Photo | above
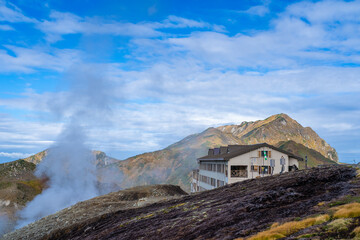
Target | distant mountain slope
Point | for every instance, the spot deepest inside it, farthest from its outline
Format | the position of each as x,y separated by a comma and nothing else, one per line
37,158
18,185
314,158
278,128
101,158
173,164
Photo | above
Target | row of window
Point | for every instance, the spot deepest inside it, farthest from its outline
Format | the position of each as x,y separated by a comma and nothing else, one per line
241,171
211,181
221,168
261,169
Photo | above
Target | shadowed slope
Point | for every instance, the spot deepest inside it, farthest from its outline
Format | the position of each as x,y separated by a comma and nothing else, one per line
236,210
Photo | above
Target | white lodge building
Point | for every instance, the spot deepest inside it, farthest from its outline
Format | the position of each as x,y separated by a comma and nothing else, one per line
236,163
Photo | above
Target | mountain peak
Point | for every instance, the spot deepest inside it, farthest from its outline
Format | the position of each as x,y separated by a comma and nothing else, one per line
276,128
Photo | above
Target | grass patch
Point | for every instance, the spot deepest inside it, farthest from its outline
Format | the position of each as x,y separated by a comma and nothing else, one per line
34,184
350,210
307,236
339,225
347,199
177,205
146,216
286,229
356,231
4,185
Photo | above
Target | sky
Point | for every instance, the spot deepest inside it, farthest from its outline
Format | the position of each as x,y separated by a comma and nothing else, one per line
174,68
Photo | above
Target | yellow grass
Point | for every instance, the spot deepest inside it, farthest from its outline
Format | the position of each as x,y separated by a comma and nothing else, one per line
289,228
350,210
339,224
35,184
357,232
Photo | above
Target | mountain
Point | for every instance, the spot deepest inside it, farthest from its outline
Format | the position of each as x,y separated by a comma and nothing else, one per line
173,164
18,185
37,158
314,158
101,158
317,203
278,128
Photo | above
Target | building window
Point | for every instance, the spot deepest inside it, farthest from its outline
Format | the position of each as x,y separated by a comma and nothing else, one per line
254,168
265,170
262,153
239,171
213,182
219,183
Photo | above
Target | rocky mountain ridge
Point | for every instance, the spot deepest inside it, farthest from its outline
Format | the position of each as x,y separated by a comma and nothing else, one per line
173,164
279,128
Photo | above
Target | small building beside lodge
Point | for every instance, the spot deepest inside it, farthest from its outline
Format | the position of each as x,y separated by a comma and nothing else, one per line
234,163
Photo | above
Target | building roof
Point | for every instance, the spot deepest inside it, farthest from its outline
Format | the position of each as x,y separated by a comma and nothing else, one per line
236,150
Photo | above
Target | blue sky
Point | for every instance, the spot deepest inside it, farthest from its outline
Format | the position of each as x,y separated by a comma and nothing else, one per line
173,68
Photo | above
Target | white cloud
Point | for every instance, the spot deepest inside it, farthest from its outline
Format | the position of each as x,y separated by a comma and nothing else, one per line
258,10
295,39
10,13
62,23
6,28
183,84
15,154
29,59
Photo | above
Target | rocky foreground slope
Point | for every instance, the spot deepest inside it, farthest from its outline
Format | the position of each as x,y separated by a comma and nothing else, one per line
239,210
96,207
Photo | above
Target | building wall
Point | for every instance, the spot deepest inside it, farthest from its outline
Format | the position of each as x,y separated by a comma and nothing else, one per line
245,160
217,176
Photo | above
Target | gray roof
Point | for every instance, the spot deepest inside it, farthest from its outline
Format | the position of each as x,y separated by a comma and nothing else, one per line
236,150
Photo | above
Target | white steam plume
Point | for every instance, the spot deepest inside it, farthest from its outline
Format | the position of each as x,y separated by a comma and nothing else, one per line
5,224
70,164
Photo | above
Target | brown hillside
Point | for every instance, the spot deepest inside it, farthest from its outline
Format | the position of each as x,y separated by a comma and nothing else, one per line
278,128
37,158
314,158
18,185
173,164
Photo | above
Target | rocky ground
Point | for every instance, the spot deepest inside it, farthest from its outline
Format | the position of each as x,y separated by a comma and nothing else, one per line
240,210
98,206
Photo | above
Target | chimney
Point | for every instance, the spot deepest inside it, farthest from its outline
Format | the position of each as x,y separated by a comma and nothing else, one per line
211,152
216,151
